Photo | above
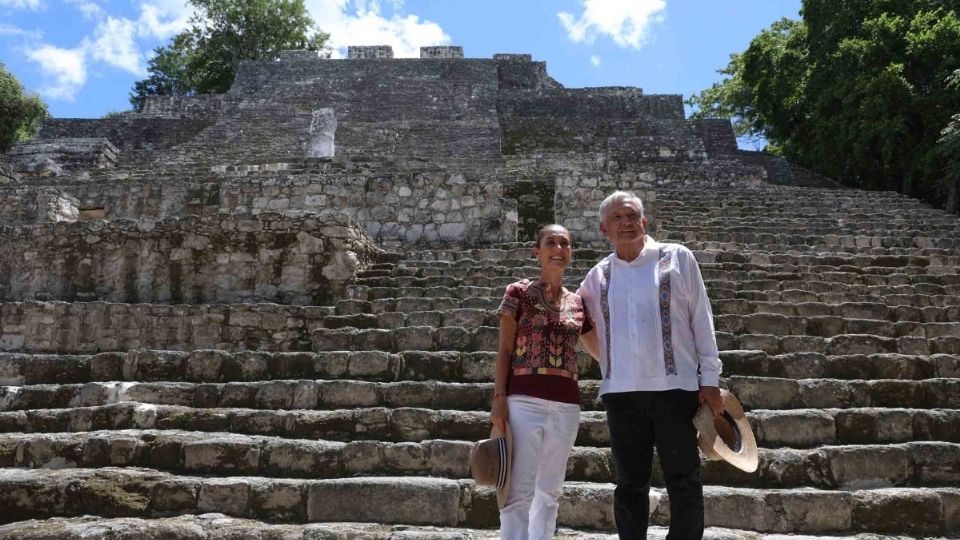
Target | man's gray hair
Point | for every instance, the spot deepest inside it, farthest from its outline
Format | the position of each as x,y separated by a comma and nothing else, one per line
619,197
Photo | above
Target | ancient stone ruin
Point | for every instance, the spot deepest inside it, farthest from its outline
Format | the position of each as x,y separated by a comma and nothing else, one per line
271,313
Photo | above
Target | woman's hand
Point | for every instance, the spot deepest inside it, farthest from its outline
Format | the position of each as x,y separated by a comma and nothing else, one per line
499,413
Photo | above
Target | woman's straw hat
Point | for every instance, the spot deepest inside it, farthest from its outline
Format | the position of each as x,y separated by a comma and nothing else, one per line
490,461
728,436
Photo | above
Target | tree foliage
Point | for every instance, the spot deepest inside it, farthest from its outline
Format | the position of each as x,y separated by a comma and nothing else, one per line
950,150
204,58
856,90
20,113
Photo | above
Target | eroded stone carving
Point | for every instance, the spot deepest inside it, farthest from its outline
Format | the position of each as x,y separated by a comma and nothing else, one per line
323,129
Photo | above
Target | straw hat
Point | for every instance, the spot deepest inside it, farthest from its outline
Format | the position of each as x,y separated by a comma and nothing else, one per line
728,436
490,461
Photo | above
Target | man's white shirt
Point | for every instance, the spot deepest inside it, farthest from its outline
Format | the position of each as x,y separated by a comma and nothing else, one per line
639,294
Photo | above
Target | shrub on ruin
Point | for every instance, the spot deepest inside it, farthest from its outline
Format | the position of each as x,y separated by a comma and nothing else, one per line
20,112
203,59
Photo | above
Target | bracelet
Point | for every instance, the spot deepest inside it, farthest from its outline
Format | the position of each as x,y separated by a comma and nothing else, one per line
499,394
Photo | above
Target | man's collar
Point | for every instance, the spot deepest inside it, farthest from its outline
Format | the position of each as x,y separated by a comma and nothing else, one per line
650,248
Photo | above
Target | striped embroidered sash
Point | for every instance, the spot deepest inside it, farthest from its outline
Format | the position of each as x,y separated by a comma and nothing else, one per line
666,322
605,310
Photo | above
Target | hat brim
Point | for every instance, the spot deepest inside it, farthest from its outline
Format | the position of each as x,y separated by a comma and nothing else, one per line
502,492
713,447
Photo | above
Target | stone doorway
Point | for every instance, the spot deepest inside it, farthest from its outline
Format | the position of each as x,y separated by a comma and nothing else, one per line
535,206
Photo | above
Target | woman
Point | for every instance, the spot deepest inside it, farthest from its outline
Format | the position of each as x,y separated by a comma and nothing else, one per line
536,387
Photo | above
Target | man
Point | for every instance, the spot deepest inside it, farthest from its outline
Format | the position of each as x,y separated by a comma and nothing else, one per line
658,355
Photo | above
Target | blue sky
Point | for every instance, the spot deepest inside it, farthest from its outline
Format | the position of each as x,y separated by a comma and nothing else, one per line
83,56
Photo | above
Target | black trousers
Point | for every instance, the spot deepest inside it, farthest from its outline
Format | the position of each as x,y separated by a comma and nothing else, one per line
638,421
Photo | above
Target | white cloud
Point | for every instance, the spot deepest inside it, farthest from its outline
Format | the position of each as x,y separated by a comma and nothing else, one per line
22,4
16,31
626,22
67,68
163,18
114,43
360,22
90,10
594,60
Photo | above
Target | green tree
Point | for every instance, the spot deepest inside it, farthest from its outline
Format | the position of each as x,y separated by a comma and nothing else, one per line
856,90
950,150
20,113
204,58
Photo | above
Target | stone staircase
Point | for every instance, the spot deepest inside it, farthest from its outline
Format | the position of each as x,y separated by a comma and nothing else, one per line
837,313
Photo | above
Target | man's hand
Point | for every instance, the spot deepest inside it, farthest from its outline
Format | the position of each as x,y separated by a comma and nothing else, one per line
711,394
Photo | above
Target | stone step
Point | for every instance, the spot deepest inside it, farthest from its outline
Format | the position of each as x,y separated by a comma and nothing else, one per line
411,304
735,217
307,394
862,244
830,325
736,281
17,369
839,345
760,290
223,366
508,255
51,327
111,492
794,428
212,526
886,234
81,327
915,464
832,245
408,338
396,319
773,334
733,316
912,307
812,365
842,271
846,310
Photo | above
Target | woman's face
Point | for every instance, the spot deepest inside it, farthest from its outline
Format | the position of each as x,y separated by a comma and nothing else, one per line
555,249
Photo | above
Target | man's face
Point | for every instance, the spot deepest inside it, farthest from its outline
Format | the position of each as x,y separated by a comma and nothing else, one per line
623,224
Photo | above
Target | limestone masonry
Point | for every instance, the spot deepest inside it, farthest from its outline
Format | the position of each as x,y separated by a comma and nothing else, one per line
271,313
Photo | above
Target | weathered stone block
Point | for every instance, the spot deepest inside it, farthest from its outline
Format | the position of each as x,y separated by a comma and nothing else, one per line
229,496
415,501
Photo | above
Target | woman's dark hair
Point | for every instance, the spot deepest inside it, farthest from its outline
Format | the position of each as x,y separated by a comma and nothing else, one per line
546,229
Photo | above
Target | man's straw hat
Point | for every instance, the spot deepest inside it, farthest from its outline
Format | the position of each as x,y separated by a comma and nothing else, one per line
728,436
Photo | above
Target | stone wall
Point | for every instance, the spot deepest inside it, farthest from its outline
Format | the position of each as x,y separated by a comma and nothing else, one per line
443,51
607,103
780,171
362,52
130,133
8,175
578,201
53,157
24,205
432,206
218,259
717,136
206,106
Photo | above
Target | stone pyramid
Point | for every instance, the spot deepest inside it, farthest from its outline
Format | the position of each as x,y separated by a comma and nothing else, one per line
271,313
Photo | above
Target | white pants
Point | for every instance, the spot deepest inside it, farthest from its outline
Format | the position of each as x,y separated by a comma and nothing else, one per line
543,434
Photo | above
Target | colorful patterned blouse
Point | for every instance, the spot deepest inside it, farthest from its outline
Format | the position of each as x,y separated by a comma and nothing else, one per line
544,363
